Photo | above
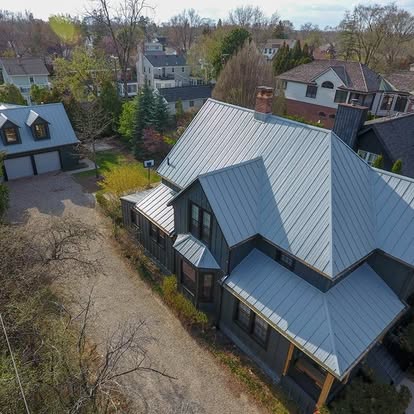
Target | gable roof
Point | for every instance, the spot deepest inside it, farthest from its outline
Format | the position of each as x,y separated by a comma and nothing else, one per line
354,75
162,59
195,252
402,81
317,197
60,128
277,43
396,134
335,328
24,66
186,93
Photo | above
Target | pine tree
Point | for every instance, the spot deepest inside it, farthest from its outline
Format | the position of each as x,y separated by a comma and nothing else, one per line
281,60
161,116
296,54
143,118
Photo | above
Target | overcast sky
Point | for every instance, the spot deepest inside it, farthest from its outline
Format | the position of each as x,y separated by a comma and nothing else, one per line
321,12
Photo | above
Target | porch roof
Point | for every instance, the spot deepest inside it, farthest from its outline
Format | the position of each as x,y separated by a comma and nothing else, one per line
195,252
335,328
154,206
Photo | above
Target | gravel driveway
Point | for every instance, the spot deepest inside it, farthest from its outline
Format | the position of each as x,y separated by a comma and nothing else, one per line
201,385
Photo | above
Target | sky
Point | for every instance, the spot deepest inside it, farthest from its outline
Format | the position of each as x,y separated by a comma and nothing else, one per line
321,12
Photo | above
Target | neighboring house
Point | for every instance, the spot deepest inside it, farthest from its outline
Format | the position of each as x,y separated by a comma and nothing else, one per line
315,89
303,253
391,137
24,72
272,46
36,139
159,70
192,97
326,51
397,94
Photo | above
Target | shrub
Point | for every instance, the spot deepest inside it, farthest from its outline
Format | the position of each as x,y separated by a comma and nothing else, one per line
123,179
181,305
378,162
397,167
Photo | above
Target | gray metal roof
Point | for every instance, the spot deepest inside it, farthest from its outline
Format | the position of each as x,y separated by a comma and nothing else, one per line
316,196
136,197
24,66
162,59
155,207
195,252
60,128
335,328
186,93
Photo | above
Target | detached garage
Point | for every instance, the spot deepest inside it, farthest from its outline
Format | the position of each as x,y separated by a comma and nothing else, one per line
36,139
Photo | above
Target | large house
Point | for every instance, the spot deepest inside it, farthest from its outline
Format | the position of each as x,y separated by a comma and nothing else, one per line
23,72
314,90
389,137
302,251
191,97
158,70
36,139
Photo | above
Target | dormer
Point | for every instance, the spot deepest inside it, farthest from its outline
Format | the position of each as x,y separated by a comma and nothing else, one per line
38,125
9,131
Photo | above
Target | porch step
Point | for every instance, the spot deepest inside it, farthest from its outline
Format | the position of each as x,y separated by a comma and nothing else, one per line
384,364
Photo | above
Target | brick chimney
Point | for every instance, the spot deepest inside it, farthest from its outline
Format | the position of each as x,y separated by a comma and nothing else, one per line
349,119
264,101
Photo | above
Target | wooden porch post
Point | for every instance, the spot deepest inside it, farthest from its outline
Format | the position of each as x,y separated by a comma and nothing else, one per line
325,390
288,358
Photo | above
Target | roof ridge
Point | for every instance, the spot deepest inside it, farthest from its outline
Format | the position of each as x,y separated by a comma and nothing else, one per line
331,230
363,76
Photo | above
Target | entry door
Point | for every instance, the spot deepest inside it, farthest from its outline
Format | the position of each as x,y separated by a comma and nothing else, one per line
18,167
47,162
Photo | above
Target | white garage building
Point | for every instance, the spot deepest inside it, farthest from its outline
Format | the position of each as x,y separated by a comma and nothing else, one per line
36,139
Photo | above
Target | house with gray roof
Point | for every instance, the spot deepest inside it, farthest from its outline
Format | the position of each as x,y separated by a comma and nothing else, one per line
23,72
314,90
36,139
302,252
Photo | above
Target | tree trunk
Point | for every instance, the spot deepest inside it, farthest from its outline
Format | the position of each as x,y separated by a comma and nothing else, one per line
94,158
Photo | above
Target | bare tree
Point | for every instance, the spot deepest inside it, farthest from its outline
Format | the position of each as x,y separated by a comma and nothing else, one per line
183,29
243,73
122,23
90,122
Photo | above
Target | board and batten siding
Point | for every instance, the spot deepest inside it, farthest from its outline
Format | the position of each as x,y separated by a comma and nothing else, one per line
270,358
163,255
218,248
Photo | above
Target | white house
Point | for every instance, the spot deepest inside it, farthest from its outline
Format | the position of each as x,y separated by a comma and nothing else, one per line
272,46
24,72
314,90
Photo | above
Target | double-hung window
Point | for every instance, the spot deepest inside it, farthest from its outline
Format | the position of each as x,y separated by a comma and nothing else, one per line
188,277
243,316
157,235
11,135
207,286
311,91
340,96
200,223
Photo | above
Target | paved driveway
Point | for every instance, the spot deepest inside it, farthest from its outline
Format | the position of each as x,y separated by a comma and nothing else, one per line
201,385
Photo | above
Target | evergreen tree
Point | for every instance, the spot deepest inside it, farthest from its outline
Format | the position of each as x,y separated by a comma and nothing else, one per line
296,54
161,115
281,60
143,118
111,104
397,167
179,110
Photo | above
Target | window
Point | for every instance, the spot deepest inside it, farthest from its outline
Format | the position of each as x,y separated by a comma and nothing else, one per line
265,50
243,315
40,131
191,104
369,157
172,70
144,69
188,277
11,135
182,69
386,103
400,104
134,218
149,69
207,287
311,91
322,114
200,224
340,96
285,260
357,98
31,79
260,329
328,85
157,235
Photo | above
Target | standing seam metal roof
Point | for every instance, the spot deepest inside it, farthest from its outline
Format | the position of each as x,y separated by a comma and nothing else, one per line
317,198
334,328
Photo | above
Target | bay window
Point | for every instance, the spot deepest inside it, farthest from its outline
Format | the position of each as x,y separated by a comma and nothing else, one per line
188,277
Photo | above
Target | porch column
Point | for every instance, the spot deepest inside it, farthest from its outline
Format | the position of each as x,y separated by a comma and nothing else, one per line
325,390
288,358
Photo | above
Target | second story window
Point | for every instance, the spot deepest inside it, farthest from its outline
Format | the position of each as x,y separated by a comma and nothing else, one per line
40,131
11,135
182,69
311,91
172,70
200,224
191,104
327,85
31,79
341,96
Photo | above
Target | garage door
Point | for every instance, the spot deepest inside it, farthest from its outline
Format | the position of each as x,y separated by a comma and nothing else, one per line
46,162
18,167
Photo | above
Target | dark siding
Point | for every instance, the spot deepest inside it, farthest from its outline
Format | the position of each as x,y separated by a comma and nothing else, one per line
238,253
219,248
306,273
69,158
164,256
368,141
399,277
271,359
